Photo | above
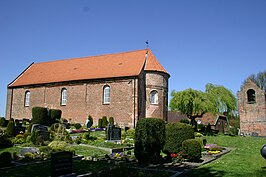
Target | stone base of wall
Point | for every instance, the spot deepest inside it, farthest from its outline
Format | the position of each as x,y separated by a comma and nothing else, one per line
247,128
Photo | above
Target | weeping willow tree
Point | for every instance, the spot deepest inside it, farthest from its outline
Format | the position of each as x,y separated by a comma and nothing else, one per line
193,103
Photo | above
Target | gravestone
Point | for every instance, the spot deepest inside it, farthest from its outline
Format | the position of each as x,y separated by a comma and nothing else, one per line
113,133
61,163
41,130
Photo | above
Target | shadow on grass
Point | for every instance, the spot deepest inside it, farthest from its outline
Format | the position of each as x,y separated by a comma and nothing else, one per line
203,172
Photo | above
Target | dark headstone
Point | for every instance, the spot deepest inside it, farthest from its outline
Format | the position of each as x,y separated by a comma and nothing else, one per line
263,151
41,130
61,163
113,133
254,134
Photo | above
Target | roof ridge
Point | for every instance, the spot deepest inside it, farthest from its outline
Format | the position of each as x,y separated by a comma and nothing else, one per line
93,56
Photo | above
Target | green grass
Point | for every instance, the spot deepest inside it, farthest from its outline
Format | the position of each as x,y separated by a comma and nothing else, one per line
87,151
244,161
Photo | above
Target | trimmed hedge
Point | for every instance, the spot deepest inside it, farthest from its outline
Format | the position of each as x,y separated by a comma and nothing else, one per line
175,134
55,115
149,139
192,150
100,123
40,116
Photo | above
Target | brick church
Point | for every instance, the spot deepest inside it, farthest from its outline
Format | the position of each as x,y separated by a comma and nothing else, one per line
252,109
127,86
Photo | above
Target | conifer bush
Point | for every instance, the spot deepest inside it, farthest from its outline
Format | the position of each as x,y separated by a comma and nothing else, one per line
175,134
111,120
192,150
90,121
100,123
149,139
10,129
104,121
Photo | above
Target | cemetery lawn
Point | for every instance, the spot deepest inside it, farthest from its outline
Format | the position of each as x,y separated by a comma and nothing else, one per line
244,161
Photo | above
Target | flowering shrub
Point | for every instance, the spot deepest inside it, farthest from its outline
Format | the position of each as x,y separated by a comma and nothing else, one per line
177,157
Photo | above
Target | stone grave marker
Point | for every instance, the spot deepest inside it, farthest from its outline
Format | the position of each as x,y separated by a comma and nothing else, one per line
41,130
113,133
61,163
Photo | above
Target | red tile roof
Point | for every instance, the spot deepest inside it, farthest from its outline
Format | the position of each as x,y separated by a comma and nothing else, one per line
94,67
209,118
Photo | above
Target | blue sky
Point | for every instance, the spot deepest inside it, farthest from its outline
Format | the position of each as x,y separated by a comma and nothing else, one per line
197,41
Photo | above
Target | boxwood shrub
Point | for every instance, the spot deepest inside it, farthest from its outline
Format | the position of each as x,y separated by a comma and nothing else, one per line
175,134
149,139
192,150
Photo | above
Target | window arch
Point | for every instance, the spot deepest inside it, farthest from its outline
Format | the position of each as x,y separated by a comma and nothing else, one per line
106,94
154,97
27,99
251,95
63,96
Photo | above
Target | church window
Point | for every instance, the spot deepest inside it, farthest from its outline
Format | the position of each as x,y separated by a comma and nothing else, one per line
63,96
251,95
154,97
106,94
27,99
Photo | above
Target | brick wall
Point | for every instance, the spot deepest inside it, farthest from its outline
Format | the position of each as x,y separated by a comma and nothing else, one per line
159,82
83,98
252,114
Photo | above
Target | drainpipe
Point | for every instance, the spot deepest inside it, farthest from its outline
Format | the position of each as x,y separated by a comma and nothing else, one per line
134,100
11,104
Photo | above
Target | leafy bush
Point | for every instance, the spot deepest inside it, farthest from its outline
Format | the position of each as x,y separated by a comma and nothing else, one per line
111,120
201,128
104,121
28,156
149,139
3,122
40,116
5,159
185,121
55,115
90,121
19,139
192,150
10,129
5,142
175,134
58,145
45,151
77,125
208,128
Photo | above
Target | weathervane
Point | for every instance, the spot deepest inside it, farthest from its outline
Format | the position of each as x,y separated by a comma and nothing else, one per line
147,44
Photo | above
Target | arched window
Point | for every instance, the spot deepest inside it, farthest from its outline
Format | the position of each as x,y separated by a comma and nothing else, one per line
251,96
27,99
154,97
106,94
63,96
